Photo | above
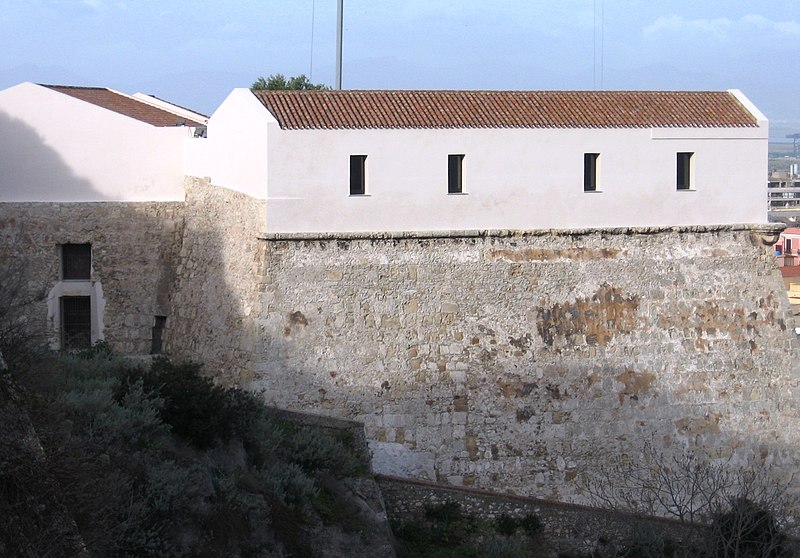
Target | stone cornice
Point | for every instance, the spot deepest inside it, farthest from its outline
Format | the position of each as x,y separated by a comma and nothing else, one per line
764,229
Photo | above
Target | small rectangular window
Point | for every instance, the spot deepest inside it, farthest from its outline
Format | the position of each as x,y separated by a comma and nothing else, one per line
76,262
158,333
684,181
358,175
591,178
76,322
455,177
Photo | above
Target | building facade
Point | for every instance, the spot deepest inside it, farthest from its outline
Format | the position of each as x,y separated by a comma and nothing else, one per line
360,161
507,288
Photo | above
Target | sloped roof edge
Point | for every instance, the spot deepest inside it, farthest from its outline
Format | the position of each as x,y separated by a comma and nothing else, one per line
125,105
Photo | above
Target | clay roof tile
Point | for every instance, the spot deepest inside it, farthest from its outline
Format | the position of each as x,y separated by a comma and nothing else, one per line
125,105
298,110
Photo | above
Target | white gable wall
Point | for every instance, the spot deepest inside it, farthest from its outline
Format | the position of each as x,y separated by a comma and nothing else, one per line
54,147
234,154
513,178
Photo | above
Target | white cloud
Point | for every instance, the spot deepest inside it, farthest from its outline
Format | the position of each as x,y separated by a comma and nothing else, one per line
721,27
95,4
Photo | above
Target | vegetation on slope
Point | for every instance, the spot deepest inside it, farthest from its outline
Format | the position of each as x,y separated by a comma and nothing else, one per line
158,461
447,532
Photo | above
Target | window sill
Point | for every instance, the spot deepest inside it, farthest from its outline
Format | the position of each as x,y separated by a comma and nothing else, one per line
592,191
457,193
359,196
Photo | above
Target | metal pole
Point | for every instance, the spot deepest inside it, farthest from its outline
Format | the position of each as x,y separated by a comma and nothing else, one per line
339,24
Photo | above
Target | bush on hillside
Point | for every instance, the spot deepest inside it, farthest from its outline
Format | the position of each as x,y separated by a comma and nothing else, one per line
159,461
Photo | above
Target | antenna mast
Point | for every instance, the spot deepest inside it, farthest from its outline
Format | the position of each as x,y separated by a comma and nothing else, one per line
339,25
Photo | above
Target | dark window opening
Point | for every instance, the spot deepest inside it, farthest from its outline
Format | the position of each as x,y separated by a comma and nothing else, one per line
76,262
158,331
76,322
590,178
455,177
684,171
358,177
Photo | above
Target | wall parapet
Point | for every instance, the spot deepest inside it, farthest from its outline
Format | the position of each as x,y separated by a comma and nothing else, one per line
757,228
567,527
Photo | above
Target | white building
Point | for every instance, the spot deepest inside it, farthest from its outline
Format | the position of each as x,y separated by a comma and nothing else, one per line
337,161
70,144
334,161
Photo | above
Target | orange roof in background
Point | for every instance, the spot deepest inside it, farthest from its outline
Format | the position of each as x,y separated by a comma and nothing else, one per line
124,105
304,110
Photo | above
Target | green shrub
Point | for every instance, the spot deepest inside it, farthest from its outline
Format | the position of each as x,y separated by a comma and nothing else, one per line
100,349
510,547
506,525
161,462
446,512
289,483
194,407
531,524
318,451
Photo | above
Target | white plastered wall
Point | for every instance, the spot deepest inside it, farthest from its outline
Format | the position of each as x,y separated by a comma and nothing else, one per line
234,153
513,178
518,179
56,148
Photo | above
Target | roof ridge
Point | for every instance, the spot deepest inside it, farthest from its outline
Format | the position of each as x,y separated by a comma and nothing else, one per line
57,86
492,91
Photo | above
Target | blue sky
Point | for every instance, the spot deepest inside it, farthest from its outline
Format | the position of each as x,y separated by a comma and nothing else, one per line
194,52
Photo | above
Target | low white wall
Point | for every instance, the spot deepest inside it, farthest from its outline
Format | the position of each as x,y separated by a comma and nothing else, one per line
54,147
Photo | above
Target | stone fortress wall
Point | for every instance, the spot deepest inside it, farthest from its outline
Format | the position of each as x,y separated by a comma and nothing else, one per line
503,360
135,249
521,361
215,298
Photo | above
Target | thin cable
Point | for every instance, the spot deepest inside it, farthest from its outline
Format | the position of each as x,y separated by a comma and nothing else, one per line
311,56
602,38
594,45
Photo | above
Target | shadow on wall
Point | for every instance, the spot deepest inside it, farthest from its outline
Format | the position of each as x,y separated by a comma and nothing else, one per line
215,317
34,171
134,254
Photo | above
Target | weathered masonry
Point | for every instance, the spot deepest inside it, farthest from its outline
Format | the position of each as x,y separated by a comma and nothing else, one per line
513,361
117,288
520,361
507,360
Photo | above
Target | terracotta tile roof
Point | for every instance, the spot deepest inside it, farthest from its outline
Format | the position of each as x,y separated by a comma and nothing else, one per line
298,110
125,105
